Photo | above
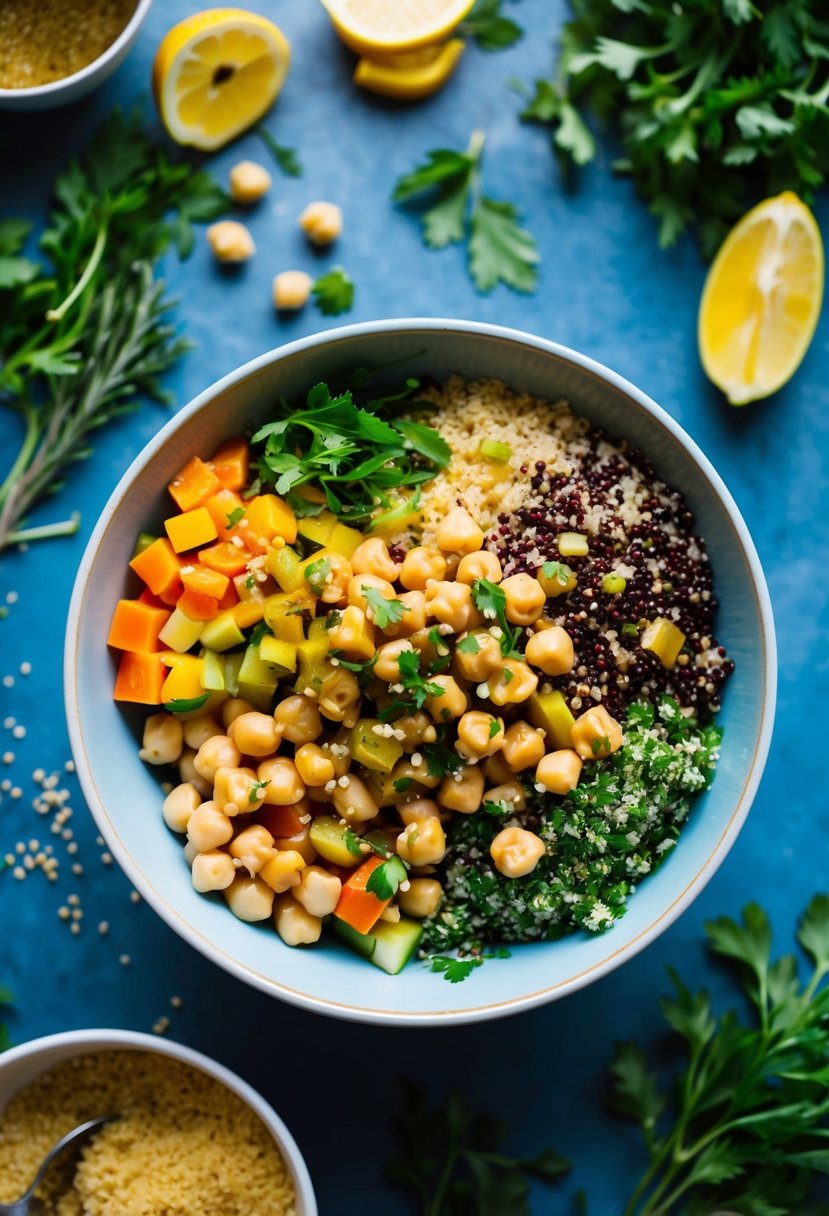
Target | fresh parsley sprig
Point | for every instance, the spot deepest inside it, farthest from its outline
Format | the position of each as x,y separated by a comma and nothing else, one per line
717,103
491,600
333,292
456,969
453,1162
744,1124
386,878
449,189
356,457
286,158
488,28
383,612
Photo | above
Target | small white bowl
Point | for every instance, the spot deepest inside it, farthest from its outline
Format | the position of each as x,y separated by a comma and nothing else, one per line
70,88
22,1065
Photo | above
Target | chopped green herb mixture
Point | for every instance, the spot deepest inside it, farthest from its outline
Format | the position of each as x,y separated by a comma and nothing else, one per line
605,835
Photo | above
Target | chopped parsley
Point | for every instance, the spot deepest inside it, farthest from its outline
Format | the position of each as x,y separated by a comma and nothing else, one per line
494,727
255,789
235,517
491,600
401,784
469,645
334,292
185,705
384,612
385,879
262,630
316,573
250,582
352,842
417,686
455,970
559,572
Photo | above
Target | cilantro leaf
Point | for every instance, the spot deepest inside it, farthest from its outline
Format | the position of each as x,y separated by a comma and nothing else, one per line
489,28
316,573
454,970
558,571
383,612
235,517
418,687
286,158
499,250
385,879
491,600
469,645
352,842
185,705
334,292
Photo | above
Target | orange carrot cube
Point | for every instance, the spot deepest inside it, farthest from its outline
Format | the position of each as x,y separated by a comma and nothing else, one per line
160,569
136,626
226,558
194,484
197,606
140,678
224,506
231,463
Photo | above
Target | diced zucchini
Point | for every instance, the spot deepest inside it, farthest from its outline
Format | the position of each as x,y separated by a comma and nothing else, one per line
284,566
317,528
179,632
493,450
389,946
213,677
233,664
361,943
328,838
280,654
314,664
572,544
143,541
222,633
551,713
258,679
373,750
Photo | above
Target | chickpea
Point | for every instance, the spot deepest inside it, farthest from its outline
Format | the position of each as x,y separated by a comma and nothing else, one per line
295,925
496,770
457,532
413,618
479,565
420,565
386,668
187,772
525,599
355,593
334,586
190,853
339,750
339,692
354,801
233,708
218,752
450,703
208,828
291,290
235,790
418,810
559,579
516,852
373,557
179,805
297,719
559,771
404,770
254,734
511,795
480,734
417,728
253,847
213,871
230,242
512,684
477,660
422,843
353,633
313,765
249,182
163,739
199,730
450,603
596,734
249,899
321,222
282,870
318,891
551,650
462,791
422,898
523,746
285,787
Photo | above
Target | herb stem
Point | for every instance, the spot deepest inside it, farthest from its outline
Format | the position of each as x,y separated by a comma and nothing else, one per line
66,527
435,1207
57,314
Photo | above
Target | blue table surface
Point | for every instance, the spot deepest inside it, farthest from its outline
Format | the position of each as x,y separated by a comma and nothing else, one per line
606,289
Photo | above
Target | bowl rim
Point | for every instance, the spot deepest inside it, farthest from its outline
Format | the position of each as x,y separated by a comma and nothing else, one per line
589,974
52,87
94,1040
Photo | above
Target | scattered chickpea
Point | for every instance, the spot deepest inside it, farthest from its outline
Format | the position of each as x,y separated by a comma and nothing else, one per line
419,566
551,650
422,843
524,599
479,565
513,684
294,924
373,557
523,746
464,795
559,771
163,739
457,532
480,734
249,182
230,242
516,852
450,703
291,290
321,222
596,734
249,899
318,891
422,898
314,766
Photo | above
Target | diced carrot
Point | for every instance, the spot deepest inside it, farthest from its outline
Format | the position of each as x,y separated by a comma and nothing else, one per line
194,484
197,606
139,679
225,558
160,569
147,597
248,612
136,626
358,907
191,529
283,820
231,463
268,516
230,598
206,581
224,506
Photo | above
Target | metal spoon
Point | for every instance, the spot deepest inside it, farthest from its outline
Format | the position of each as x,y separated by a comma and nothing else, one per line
27,1205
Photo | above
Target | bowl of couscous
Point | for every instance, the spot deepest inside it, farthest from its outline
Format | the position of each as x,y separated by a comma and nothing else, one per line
346,805
52,53
190,1135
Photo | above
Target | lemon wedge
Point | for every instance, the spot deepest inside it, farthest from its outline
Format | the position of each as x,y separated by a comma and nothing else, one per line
216,73
377,27
762,299
411,75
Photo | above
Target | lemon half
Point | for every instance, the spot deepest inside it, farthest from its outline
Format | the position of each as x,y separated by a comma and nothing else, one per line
411,75
761,300
216,73
377,27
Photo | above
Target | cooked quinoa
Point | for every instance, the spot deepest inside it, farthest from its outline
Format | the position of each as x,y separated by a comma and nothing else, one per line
46,40
184,1145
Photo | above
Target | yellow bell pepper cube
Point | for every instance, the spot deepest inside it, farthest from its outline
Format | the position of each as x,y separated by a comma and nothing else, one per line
317,528
664,639
184,681
550,712
247,614
191,529
345,540
280,654
268,516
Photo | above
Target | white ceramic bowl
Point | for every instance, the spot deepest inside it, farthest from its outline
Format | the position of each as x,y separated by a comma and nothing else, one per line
124,795
22,1065
70,88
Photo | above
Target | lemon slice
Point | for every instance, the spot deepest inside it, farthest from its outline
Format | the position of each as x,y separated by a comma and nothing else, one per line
216,73
411,75
377,27
762,299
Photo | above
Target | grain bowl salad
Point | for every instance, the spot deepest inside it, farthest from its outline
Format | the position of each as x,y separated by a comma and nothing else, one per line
436,669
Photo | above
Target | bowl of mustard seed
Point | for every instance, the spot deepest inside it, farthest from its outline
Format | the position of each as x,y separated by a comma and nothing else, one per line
52,53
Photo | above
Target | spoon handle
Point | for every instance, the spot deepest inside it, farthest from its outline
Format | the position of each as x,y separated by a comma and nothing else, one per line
22,1206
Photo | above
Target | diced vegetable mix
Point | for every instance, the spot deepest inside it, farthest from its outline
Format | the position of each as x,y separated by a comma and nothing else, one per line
374,735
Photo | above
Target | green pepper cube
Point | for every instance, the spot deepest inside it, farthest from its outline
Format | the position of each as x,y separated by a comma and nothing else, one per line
373,749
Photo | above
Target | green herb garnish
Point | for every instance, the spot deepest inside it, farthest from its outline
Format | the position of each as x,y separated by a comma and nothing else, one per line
469,645
600,745
352,842
418,686
489,29
455,970
384,612
494,728
491,600
250,582
387,877
334,292
185,705
253,793
260,630
316,573
235,517
401,784
499,251
286,158
558,571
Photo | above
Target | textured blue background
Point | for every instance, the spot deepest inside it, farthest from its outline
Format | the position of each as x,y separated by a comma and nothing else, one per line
606,289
